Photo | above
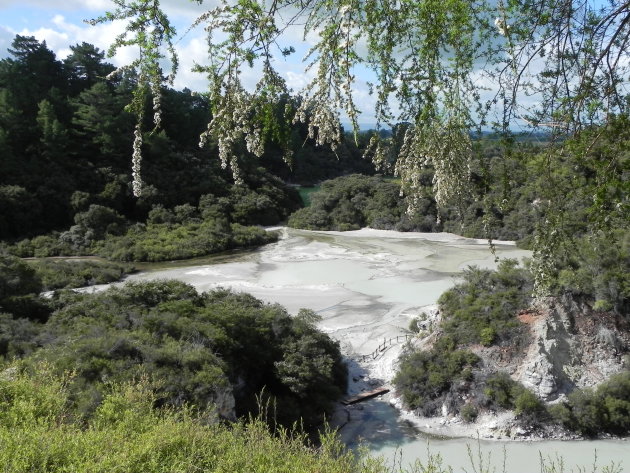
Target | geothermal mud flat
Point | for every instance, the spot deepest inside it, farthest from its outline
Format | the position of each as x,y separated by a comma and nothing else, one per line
367,285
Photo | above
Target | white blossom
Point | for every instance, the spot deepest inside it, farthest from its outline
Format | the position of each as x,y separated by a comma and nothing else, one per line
136,161
502,26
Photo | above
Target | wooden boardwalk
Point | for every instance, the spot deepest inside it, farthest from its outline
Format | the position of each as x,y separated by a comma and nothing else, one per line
384,346
365,396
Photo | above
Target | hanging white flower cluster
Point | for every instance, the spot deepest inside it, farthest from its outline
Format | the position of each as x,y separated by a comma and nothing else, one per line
323,121
230,125
501,26
118,72
136,162
157,103
447,148
380,151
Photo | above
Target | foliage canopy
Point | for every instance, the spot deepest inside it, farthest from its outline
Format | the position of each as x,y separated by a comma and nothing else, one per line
444,68
430,56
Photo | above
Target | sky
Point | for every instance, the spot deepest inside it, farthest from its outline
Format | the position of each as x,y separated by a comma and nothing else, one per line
61,24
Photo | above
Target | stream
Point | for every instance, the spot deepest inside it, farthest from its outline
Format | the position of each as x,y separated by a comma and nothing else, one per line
367,285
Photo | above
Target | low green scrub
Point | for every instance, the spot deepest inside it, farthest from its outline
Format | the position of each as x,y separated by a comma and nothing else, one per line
483,308
60,274
593,411
356,201
43,246
427,379
39,432
163,242
20,286
503,392
196,349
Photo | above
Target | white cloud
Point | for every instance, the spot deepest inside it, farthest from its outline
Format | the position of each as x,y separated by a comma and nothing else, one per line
194,51
66,5
66,34
6,38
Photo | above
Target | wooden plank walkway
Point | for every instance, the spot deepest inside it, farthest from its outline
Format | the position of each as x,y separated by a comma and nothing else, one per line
365,396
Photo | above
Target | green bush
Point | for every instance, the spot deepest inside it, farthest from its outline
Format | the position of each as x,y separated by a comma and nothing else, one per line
425,377
469,413
604,409
164,242
527,405
194,348
500,390
58,274
42,246
20,286
18,336
505,393
39,432
356,201
17,278
483,308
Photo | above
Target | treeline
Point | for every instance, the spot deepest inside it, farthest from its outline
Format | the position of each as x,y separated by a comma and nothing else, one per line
65,141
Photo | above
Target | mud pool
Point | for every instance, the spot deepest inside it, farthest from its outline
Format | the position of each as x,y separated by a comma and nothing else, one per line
367,285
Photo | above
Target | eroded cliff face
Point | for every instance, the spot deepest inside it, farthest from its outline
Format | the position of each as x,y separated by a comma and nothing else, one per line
566,345
571,346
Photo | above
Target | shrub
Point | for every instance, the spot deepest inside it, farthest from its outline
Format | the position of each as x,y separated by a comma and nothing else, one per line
469,413
528,406
604,409
505,393
482,308
425,377
163,242
58,274
194,348
355,201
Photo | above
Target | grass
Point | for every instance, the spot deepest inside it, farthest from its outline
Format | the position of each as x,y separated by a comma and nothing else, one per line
39,433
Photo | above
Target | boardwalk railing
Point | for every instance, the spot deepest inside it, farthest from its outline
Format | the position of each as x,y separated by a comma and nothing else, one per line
384,346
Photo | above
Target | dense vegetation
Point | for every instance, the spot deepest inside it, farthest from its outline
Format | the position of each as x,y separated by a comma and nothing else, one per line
195,349
65,137
426,379
603,409
39,432
356,201
65,184
483,307
61,274
482,310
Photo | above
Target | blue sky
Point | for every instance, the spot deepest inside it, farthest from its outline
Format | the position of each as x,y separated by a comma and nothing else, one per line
60,24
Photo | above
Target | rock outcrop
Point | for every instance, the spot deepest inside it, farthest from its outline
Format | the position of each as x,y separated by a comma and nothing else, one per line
572,346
